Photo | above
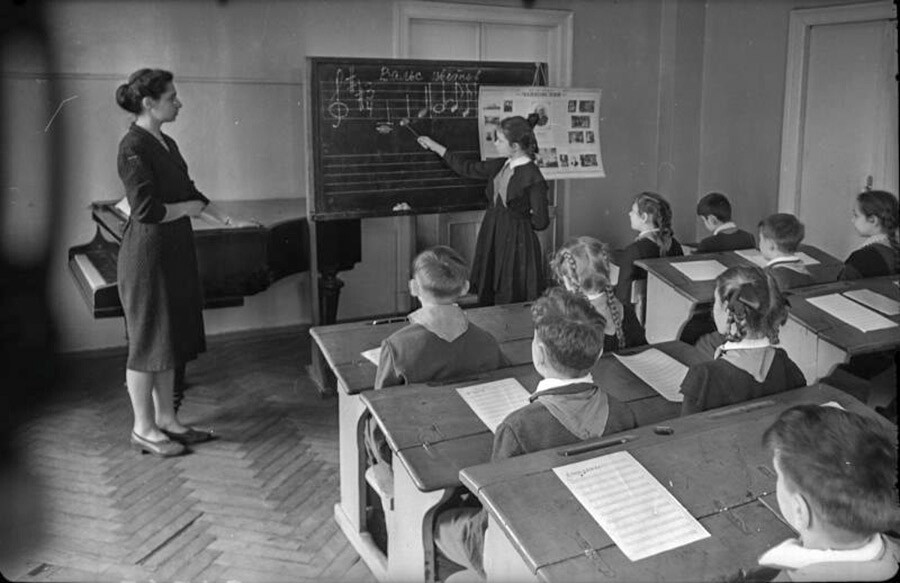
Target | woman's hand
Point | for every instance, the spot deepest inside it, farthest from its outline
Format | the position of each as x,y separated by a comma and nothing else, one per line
430,144
193,208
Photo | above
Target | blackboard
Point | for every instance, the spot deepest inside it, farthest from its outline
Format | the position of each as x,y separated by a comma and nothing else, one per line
365,162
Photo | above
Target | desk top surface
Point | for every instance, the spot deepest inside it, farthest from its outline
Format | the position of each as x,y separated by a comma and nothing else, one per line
435,433
343,344
713,463
838,332
826,270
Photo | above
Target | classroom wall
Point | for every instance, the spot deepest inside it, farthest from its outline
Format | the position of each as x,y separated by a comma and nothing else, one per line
745,56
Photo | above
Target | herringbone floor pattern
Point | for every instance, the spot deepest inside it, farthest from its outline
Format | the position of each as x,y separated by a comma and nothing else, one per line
255,505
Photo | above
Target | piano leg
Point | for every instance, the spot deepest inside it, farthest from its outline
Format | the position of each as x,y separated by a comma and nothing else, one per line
329,294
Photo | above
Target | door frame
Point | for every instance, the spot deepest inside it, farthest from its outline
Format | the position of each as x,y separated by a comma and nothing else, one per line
801,23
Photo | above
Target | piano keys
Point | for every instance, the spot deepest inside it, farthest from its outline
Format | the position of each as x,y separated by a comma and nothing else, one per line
233,262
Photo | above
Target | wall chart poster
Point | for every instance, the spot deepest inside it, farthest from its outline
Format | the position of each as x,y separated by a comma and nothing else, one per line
567,131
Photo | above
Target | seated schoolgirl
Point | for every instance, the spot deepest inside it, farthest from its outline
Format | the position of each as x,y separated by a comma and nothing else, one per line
651,217
748,311
582,266
875,217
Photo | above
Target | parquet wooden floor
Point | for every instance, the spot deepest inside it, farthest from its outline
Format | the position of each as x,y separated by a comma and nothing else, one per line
255,505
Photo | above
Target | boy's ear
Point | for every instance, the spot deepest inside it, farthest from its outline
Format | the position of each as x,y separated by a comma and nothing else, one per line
465,288
802,510
413,287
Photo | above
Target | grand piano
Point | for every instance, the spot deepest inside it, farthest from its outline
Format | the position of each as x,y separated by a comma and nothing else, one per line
233,262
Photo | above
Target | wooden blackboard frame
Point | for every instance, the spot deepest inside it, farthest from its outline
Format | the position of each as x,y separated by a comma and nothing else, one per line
342,184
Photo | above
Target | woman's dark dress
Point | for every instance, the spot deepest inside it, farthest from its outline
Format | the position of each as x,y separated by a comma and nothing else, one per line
159,283
508,265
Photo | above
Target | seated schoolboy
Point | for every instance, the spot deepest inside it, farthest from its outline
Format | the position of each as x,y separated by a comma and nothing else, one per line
836,487
714,210
651,217
439,342
581,265
875,218
779,238
567,407
748,311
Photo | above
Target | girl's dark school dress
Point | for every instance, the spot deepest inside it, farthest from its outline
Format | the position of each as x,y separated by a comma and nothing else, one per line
508,265
643,248
158,279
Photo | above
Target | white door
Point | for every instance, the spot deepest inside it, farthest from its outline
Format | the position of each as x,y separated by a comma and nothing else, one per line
847,130
482,33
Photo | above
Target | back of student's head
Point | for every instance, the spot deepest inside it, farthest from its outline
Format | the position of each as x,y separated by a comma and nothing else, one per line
843,464
659,212
784,229
582,265
519,130
754,305
715,204
441,272
570,328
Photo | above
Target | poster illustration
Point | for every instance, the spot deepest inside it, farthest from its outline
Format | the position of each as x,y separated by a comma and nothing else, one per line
567,130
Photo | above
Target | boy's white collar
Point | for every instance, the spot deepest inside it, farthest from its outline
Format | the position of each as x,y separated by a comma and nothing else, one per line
724,227
792,555
784,259
547,384
643,234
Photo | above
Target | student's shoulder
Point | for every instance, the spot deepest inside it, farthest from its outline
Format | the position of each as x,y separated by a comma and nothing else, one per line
529,173
409,334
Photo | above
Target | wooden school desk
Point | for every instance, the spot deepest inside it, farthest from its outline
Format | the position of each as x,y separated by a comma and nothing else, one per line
672,296
341,345
433,434
713,463
818,341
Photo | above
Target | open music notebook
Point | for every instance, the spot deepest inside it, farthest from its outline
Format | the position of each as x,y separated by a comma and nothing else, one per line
493,401
373,355
851,313
635,510
874,300
663,373
700,270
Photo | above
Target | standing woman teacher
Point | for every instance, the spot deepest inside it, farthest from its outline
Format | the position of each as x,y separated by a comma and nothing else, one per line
159,284
508,265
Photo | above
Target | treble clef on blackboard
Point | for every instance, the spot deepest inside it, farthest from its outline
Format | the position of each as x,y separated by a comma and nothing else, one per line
337,109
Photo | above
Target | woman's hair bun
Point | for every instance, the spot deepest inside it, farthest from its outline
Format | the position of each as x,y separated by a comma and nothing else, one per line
142,83
533,119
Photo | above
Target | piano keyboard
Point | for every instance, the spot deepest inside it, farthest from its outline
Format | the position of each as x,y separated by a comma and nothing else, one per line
91,274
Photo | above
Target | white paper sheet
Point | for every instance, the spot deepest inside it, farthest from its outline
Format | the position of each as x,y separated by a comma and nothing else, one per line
659,370
700,270
852,313
757,258
635,510
613,273
876,301
373,355
493,401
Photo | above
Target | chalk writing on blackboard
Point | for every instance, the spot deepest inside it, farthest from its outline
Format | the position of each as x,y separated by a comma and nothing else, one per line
399,94
365,116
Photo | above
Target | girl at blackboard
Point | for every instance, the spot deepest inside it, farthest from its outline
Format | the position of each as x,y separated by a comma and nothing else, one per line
508,265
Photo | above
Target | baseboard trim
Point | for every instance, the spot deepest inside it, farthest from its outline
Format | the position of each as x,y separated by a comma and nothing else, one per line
212,340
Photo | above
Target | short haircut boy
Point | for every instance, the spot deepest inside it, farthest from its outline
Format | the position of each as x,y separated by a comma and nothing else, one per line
715,204
784,229
571,329
441,272
843,464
